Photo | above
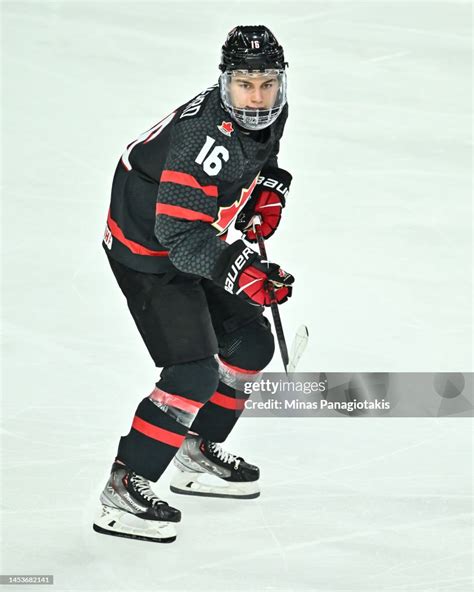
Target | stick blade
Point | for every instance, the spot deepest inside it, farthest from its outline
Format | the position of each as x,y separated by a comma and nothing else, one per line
300,341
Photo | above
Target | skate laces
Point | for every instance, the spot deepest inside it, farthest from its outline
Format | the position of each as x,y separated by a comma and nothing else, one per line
143,487
223,455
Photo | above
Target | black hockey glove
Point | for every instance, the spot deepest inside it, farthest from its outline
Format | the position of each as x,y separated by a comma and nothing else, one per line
243,272
267,201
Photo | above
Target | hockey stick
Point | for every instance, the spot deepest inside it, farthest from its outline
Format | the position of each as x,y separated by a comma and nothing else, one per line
300,341
274,305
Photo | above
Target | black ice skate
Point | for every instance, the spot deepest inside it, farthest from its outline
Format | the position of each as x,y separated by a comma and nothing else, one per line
205,469
131,509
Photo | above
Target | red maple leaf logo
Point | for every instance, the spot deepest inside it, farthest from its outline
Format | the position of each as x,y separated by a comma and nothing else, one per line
228,213
226,128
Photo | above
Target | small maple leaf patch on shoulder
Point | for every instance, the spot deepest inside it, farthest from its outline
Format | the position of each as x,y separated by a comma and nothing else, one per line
226,128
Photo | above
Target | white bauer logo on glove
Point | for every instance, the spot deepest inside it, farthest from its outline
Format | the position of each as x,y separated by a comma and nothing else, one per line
236,267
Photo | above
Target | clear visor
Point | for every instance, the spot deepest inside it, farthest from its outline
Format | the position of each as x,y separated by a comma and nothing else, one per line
254,98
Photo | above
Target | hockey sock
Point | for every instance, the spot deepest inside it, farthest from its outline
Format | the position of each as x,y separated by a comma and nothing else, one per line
152,442
218,416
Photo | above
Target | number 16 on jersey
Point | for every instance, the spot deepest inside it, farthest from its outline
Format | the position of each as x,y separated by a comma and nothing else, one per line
212,160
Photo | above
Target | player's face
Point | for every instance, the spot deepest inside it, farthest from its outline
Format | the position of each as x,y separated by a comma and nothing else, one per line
253,92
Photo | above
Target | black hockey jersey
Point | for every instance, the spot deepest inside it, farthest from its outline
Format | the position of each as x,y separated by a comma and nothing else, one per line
179,186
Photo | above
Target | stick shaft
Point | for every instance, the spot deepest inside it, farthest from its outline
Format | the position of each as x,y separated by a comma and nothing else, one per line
274,306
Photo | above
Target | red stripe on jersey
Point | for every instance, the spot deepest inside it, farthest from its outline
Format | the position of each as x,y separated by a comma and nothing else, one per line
188,181
237,369
227,402
131,245
177,401
179,212
152,431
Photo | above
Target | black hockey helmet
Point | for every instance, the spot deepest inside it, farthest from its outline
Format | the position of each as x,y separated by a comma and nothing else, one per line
252,47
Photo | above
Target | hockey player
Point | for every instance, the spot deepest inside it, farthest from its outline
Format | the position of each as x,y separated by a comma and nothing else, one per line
197,300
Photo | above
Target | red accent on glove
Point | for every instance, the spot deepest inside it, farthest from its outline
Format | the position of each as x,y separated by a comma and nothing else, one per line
268,207
255,284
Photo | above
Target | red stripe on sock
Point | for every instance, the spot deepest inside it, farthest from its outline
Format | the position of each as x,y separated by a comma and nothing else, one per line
237,369
157,433
227,402
177,401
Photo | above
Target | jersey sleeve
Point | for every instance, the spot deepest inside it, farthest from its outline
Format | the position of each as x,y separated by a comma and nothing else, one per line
187,206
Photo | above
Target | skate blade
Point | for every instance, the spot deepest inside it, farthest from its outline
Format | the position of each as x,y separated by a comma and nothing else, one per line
192,484
115,522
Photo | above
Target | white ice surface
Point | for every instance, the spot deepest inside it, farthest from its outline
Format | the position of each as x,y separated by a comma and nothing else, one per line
377,232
